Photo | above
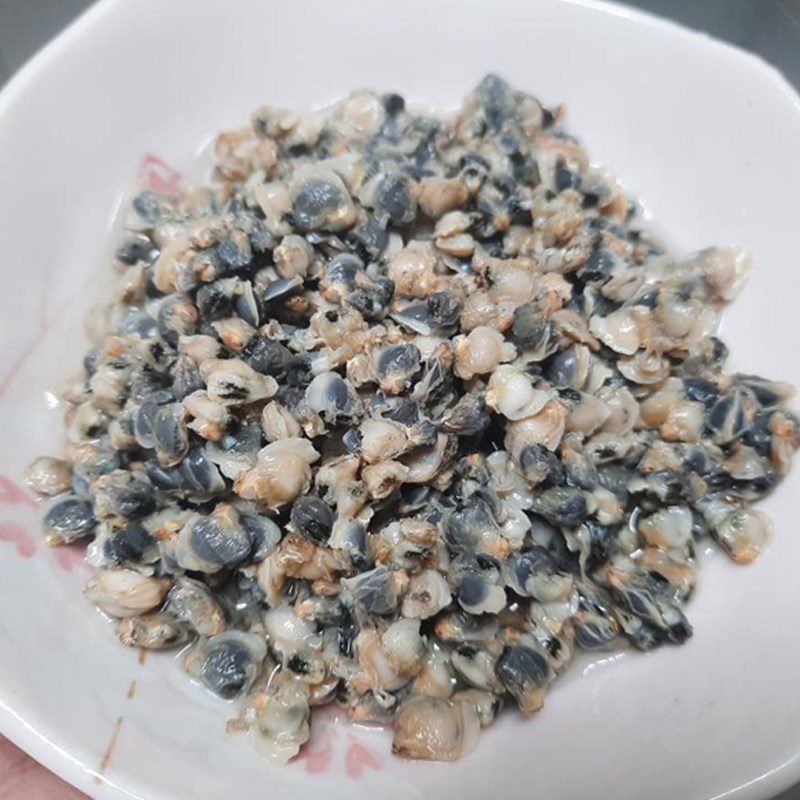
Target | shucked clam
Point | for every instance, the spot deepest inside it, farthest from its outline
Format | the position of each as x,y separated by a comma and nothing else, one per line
401,411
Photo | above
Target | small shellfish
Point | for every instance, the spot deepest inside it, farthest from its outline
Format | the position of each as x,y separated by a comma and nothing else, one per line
511,393
193,603
133,544
293,257
67,518
320,200
312,518
546,428
211,543
331,396
412,270
233,382
743,534
619,331
524,672
374,591
152,632
278,423
435,729
282,472
395,366
428,593
668,528
480,352
126,593
49,476
227,664
644,368
278,717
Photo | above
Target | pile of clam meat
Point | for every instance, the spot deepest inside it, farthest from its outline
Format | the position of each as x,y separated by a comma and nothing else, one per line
401,412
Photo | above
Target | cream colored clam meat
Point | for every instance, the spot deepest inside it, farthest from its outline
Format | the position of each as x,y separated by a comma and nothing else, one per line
399,412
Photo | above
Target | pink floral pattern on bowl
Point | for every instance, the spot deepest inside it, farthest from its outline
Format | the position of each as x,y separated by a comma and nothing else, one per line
19,536
156,174
336,746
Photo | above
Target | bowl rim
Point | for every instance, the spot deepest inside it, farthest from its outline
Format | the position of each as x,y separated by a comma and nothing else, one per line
39,742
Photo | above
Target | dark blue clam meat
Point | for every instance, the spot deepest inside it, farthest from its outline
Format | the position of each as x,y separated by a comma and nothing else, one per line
234,251
533,572
139,322
148,386
768,393
211,543
133,543
339,277
403,410
477,582
196,475
468,416
263,532
68,518
567,369
394,199
177,316
596,627
463,528
321,201
701,390
444,311
370,238
531,329
331,396
186,378
241,441
350,537
397,409
144,212
217,547
372,592
170,435
395,365
728,419
351,440
246,304
280,288
143,422
524,672
267,356
371,297
227,664
598,267
541,467
563,506
137,247
312,518
216,300
416,317
496,99
648,596
120,494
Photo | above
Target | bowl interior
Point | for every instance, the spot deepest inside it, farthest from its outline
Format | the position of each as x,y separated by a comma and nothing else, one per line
707,138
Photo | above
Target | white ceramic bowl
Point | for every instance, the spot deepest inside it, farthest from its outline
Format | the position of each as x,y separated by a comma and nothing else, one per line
709,139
